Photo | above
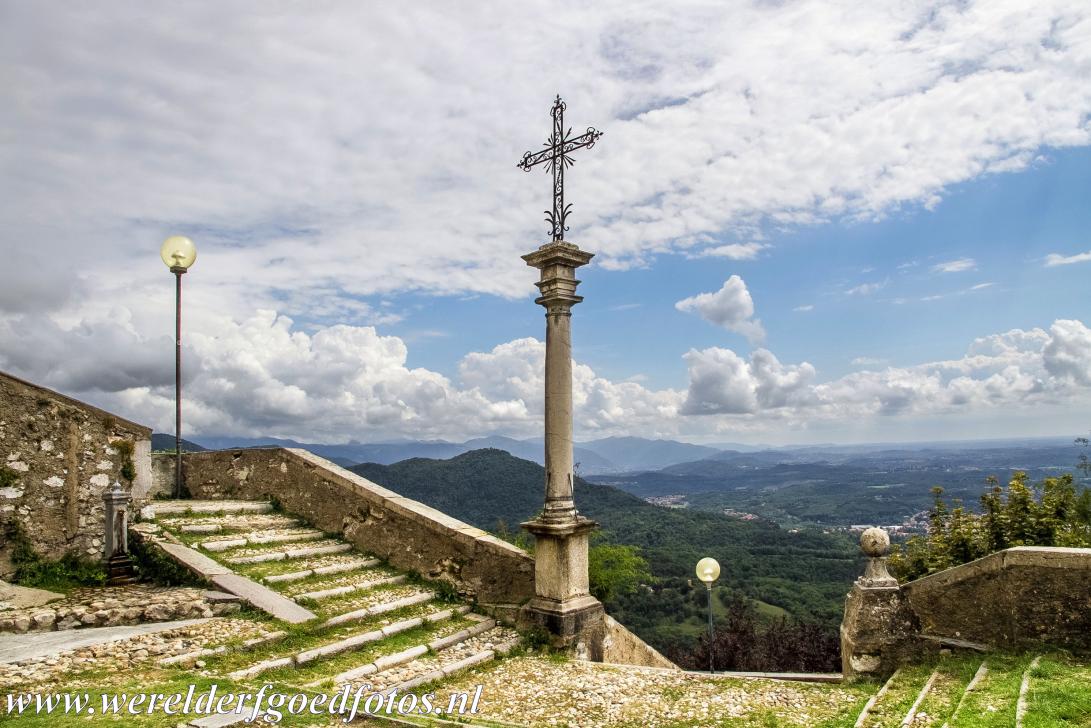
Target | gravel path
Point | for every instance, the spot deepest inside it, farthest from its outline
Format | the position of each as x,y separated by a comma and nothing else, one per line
538,691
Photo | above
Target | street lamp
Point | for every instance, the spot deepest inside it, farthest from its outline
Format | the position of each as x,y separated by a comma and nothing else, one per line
178,253
708,571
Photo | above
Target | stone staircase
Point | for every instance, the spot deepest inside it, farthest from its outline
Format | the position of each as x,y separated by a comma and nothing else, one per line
954,692
368,623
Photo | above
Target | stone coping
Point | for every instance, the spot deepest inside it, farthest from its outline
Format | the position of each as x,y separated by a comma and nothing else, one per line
1049,557
407,506
142,430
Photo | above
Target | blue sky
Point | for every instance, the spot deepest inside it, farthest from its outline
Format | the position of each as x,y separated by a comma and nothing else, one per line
813,221
1007,223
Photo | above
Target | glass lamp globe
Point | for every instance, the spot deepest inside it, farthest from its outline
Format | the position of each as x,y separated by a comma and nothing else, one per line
178,251
708,570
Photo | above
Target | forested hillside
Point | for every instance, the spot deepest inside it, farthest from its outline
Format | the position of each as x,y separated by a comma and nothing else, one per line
805,574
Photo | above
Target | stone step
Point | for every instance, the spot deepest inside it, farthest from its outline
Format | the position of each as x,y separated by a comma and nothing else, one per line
452,659
350,588
258,539
381,608
865,713
161,508
229,522
982,671
347,644
912,714
333,547
387,662
200,528
319,570
186,659
1024,688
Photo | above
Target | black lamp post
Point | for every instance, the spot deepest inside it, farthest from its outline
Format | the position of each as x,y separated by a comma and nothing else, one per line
708,571
178,253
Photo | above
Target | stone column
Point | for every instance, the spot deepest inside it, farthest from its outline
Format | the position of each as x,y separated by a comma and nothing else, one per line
562,604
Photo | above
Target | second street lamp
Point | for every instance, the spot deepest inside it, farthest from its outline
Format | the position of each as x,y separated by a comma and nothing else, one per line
708,571
178,253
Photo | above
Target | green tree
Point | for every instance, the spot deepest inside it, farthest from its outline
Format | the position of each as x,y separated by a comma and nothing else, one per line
615,569
1050,513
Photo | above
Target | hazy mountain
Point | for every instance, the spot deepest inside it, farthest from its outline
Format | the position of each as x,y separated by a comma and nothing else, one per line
637,453
534,450
348,454
162,441
839,487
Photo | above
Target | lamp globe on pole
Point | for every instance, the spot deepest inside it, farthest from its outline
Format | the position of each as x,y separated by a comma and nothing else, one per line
179,253
708,571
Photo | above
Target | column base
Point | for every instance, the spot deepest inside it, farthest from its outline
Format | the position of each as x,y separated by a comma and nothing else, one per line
577,624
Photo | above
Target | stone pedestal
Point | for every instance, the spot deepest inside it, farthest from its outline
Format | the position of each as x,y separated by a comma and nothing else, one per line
879,627
562,604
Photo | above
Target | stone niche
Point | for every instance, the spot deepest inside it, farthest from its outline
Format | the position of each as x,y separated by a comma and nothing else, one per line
57,456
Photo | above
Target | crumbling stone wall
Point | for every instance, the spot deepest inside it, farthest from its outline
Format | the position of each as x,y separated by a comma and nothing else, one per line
409,534
58,457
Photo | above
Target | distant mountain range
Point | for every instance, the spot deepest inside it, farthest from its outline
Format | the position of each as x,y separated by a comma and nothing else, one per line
633,455
608,455
161,442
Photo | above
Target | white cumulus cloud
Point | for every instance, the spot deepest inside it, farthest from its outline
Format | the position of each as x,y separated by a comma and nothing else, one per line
730,307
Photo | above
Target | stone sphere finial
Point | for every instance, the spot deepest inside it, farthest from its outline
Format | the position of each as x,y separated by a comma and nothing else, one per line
875,542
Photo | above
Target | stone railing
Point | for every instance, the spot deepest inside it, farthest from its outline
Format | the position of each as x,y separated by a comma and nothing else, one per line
57,456
1010,599
408,534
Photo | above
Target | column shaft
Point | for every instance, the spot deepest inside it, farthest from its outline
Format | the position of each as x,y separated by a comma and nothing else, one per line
559,505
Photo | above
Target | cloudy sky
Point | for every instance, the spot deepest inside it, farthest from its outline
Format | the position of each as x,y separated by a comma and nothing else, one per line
814,221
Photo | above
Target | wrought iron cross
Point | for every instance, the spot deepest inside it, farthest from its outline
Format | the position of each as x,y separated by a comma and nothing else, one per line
556,153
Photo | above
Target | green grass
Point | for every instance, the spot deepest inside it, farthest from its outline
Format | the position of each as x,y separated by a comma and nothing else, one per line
1059,694
992,704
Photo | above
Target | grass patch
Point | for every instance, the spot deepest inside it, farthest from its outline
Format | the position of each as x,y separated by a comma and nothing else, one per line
1059,694
992,704
58,575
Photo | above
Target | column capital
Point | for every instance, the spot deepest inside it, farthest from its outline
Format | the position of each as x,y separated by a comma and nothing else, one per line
558,262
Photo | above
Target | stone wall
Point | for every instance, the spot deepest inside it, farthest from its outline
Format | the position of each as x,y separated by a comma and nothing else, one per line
1014,597
409,534
1009,600
57,455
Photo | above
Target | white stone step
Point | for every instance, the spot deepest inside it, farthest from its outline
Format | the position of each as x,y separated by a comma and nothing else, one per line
283,555
350,588
161,508
382,608
200,528
187,659
912,714
408,655
347,644
1024,688
978,677
446,671
862,718
321,570
259,539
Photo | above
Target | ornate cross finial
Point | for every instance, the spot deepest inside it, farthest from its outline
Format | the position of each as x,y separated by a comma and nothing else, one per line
556,153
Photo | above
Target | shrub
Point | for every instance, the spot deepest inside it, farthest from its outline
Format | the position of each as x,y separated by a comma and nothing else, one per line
31,569
1050,513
